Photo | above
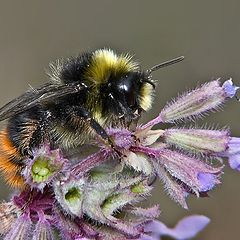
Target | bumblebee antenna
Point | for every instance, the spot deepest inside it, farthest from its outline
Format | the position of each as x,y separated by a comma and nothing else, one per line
165,64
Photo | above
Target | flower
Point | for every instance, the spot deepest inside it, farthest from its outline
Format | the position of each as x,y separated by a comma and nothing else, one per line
229,88
45,166
187,228
95,197
196,103
232,152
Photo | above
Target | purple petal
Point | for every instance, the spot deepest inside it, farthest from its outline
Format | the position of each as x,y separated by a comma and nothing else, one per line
207,181
234,162
187,228
229,88
233,146
233,153
147,237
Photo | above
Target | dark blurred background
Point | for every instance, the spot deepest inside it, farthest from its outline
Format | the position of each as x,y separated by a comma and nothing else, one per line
207,33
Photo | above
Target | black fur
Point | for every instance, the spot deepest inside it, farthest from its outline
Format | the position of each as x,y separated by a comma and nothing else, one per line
16,128
74,68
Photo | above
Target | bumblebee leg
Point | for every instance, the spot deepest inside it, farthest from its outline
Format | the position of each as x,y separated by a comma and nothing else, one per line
81,112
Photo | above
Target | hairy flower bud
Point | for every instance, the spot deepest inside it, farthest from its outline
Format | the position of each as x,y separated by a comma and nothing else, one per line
208,97
194,103
203,141
44,167
21,229
69,194
194,173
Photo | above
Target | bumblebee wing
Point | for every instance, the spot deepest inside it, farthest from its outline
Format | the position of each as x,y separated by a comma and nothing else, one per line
46,93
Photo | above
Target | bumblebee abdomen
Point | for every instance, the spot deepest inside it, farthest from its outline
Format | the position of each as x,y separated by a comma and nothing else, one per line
26,129
11,161
24,132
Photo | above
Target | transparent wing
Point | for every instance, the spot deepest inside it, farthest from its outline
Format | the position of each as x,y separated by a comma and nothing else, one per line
42,95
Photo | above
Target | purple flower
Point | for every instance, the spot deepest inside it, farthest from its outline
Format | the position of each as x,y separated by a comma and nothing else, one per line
46,164
229,88
207,181
196,103
187,228
180,173
232,152
69,197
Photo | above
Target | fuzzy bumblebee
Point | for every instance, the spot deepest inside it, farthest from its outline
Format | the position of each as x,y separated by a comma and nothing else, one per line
85,95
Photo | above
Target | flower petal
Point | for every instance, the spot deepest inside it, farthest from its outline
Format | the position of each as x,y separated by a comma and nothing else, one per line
187,228
234,162
233,153
207,181
229,88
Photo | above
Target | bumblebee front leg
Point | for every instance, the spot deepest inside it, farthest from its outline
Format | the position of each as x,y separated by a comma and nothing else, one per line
81,112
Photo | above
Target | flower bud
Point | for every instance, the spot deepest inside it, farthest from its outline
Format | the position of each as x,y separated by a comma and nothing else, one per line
44,167
208,96
21,229
43,231
175,190
198,140
194,173
195,103
69,194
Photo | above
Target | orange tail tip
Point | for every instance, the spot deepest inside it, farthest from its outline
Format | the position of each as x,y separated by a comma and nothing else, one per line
10,161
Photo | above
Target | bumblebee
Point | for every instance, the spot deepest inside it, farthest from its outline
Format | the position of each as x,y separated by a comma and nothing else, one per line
85,95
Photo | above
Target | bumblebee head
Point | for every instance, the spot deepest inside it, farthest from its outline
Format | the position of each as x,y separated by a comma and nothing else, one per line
124,89
128,94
